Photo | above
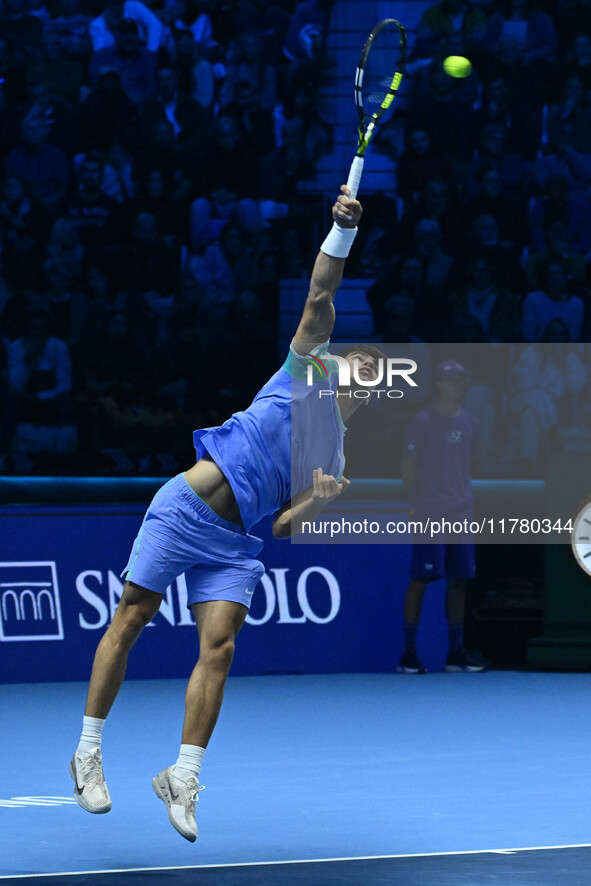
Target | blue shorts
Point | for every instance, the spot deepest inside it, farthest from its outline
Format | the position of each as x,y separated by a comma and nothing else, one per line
180,533
430,561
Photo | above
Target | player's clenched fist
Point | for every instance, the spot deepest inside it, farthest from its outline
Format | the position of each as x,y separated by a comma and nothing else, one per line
326,488
346,211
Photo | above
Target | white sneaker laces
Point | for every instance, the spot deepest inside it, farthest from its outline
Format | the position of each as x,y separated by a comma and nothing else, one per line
90,765
193,787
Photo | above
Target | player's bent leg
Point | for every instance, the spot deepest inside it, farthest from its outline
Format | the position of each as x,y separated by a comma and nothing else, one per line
136,608
218,623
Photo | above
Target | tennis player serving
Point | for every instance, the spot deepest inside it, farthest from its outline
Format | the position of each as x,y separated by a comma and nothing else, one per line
199,524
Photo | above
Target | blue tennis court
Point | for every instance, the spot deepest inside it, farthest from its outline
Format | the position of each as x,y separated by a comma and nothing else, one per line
361,779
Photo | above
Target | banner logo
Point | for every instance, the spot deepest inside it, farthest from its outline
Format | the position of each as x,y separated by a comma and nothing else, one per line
30,602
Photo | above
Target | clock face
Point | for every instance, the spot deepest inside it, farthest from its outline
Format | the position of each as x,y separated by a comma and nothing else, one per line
581,537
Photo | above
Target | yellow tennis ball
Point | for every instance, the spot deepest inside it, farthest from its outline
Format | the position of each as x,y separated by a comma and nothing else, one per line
457,66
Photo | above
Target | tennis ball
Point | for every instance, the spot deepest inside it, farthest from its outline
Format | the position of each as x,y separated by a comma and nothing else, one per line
457,66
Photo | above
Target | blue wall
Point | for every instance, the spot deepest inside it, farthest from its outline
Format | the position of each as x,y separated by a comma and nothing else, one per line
318,609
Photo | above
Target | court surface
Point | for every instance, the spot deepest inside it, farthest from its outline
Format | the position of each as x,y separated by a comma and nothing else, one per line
344,779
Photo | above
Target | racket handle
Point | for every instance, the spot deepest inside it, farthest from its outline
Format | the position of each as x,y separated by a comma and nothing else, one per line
355,174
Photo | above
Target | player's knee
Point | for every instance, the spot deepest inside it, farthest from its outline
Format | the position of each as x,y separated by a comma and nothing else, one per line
218,656
134,618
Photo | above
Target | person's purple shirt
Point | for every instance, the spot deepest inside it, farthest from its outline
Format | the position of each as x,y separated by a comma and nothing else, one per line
441,447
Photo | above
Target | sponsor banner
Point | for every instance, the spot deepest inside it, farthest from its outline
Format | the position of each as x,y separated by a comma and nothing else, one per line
322,609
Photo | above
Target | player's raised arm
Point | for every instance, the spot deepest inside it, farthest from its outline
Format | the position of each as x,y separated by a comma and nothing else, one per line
318,317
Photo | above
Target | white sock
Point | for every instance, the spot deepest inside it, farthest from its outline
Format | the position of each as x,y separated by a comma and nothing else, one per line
92,728
189,761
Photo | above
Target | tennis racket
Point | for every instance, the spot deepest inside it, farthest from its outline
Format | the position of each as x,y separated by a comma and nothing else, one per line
378,76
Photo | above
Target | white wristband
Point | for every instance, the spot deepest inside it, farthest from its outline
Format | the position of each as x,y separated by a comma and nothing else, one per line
339,241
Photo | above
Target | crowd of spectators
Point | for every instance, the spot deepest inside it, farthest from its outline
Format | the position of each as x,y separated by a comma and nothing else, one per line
151,154
149,159
487,235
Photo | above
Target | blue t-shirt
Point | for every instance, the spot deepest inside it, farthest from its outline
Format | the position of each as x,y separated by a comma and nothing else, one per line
441,447
269,451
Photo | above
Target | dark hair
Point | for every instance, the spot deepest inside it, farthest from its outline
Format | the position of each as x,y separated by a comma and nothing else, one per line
127,26
93,156
369,350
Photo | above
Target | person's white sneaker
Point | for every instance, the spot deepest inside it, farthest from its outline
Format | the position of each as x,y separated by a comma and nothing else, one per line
180,797
90,789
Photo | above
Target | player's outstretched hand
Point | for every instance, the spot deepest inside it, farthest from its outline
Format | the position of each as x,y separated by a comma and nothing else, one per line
346,211
326,488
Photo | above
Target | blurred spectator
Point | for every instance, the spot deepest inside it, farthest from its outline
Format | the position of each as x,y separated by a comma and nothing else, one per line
22,31
257,124
63,300
559,203
306,32
540,378
88,207
188,119
65,250
179,163
226,267
558,248
249,62
555,301
6,424
496,310
509,212
501,105
400,279
12,91
502,260
195,72
103,30
267,281
248,321
436,263
559,157
523,40
108,115
40,374
62,77
438,201
236,163
71,27
154,197
492,153
111,356
42,165
572,106
419,164
400,322
134,64
270,19
118,172
450,17
444,114
192,17
285,166
146,263
24,229
580,58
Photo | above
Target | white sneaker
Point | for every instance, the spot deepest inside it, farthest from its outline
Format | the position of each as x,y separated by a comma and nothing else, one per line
180,797
90,789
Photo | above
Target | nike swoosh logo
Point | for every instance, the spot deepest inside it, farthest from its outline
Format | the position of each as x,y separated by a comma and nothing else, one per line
173,796
250,593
